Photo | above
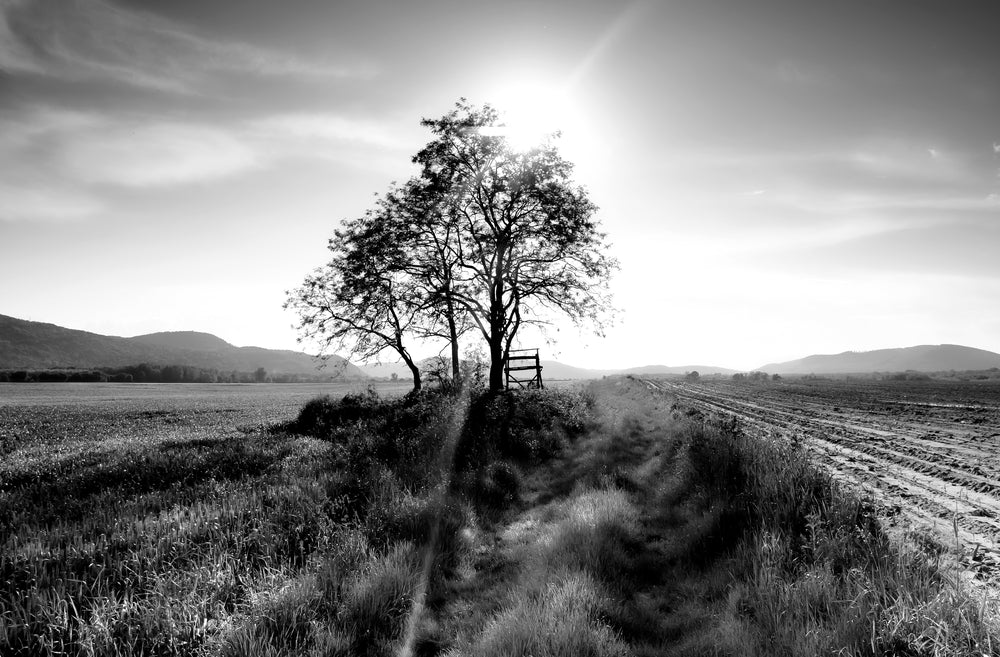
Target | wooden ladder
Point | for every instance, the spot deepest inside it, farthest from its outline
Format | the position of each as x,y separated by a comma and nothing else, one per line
523,360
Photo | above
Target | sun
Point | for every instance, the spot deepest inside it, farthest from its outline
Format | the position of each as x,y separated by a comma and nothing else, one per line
531,112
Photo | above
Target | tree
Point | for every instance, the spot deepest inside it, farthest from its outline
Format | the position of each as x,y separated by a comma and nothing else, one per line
362,301
486,239
429,236
526,242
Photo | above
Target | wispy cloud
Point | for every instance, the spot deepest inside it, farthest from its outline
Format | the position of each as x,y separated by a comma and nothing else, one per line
154,154
68,161
89,39
75,149
329,127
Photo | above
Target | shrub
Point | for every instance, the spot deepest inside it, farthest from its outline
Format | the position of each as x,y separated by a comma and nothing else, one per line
521,425
321,415
500,486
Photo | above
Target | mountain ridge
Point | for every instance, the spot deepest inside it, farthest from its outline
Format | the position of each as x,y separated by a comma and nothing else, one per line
919,358
25,344
553,370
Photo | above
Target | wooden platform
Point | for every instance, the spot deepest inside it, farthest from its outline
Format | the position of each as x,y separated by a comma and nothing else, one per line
523,360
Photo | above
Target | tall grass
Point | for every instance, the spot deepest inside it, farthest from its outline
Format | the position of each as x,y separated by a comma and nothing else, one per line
563,603
299,539
815,572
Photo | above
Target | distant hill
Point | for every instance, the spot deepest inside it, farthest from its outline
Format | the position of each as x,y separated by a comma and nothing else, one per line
652,370
923,358
554,370
550,370
37,345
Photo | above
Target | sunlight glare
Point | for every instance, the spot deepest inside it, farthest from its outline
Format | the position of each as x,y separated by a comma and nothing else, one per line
532,112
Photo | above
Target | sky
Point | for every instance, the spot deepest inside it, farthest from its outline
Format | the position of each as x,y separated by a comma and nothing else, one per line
777,178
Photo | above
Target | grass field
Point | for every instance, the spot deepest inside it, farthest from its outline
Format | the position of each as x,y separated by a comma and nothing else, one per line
620,520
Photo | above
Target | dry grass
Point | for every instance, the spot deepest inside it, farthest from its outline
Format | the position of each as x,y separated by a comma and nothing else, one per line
813,571
179,529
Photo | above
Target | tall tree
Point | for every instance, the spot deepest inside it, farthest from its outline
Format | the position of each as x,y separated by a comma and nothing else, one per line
431,236
527,242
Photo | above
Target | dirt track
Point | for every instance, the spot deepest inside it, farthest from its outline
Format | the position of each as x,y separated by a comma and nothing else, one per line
929,452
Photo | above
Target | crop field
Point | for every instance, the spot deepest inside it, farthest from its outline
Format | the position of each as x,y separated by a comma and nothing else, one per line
146,517
46,427
927,451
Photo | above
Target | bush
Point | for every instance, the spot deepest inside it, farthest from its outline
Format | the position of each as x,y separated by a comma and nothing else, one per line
498,486
521,425
320,416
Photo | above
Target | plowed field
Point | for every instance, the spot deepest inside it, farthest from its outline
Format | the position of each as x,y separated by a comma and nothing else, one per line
928,451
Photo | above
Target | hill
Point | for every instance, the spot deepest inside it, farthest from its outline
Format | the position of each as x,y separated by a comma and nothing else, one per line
922,358
37,345
652,370
553,370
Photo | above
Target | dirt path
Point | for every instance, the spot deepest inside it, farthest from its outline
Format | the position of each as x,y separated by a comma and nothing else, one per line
609,518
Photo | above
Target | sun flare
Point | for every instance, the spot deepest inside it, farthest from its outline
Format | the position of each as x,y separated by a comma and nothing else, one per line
532,112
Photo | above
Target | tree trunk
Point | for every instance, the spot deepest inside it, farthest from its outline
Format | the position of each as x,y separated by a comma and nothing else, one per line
416,375
496,365
413,369
456,374
497,319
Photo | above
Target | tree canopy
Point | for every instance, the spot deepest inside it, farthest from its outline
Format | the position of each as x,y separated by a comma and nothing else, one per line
485,238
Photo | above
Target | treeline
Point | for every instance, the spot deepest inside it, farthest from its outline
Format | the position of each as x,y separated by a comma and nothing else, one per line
147,373
756,376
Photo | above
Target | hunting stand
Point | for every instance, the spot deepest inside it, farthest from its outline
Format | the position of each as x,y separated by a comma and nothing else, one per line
523,360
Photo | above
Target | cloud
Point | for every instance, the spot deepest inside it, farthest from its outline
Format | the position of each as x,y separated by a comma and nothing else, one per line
31,190
69,161
89,39
329,127
66,159
146,155
996,148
